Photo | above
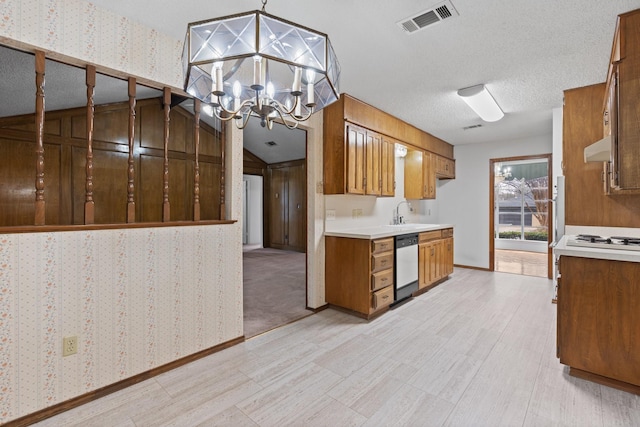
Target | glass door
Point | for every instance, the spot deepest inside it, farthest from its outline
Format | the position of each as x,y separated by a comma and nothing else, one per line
521,220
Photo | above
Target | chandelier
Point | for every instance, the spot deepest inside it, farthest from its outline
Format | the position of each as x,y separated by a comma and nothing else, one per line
256,64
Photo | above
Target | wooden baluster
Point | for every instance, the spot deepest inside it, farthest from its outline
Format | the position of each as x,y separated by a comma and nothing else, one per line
222,139
39,202
196,175
166,207
131,204
89,207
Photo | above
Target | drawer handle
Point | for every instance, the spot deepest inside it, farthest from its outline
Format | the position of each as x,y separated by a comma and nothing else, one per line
385,279
384,261
385,297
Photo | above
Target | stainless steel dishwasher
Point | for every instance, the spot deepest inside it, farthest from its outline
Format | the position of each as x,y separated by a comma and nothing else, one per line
406,266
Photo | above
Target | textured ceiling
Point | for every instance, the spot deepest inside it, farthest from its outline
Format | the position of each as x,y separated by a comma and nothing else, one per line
526,52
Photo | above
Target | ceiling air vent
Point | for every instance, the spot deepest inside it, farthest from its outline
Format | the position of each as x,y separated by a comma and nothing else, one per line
472,127
428,17
271,143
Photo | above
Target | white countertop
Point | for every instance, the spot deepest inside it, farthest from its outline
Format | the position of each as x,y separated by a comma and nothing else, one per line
378,231
611,254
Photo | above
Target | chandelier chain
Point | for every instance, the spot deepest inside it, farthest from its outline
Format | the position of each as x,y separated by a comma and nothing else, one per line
264,5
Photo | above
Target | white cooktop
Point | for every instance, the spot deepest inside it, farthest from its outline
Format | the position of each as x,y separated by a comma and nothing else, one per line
563,248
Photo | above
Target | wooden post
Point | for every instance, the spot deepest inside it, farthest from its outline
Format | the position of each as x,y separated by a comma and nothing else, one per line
39,202
166,207
223,142
89,206
196,175
131,204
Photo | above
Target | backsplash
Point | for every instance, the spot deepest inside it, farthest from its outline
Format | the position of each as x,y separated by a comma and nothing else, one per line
354,211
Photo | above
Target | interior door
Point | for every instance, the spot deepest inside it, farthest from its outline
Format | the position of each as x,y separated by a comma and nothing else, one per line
296,212
278,207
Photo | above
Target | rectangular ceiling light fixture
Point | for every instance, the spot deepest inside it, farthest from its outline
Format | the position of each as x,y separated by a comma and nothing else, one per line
481,101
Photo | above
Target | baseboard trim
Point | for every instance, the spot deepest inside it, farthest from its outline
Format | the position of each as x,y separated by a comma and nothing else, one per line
318,309
609,382
112,388
470,267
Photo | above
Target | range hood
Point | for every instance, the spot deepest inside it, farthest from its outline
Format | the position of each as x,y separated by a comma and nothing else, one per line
598,151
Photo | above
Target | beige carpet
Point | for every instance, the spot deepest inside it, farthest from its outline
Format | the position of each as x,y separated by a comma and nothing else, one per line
274,289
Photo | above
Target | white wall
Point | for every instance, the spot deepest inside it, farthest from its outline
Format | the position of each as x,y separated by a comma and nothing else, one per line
254,209
379,210
464,201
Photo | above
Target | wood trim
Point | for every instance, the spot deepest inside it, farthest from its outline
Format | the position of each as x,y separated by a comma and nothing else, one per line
609,382
112,388
166,206
471,267
131,204
56,228
89,204
39,116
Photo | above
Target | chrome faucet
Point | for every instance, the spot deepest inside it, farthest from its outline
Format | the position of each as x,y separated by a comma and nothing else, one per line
397,219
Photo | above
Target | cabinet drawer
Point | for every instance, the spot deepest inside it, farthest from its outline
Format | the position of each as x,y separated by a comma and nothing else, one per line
429,235
382,245
381,279
447,232
381,261
382,298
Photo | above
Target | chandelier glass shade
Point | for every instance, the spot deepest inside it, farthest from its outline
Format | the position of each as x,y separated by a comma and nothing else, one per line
256,64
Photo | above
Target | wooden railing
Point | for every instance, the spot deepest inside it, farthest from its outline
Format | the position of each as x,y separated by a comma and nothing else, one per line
119,185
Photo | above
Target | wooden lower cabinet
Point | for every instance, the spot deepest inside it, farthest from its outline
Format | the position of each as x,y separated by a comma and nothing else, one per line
359,274
435,256
599,320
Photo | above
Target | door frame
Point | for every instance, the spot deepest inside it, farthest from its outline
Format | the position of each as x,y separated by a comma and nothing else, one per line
551,219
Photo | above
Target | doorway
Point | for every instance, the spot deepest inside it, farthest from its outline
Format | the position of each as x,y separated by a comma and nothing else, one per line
274,257
521,215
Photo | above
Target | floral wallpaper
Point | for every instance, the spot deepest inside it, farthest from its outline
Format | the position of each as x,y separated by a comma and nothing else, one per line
79,29
135,298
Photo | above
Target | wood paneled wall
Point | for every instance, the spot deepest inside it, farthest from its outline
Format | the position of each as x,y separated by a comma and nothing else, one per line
586,203
65,160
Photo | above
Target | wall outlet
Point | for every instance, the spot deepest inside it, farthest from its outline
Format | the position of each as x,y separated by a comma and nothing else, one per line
69,346
356,213
330,215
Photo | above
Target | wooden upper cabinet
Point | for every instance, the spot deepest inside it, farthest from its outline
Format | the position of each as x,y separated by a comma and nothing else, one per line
419,175
388,167
373,150
355,169
359,148
445,168
621,106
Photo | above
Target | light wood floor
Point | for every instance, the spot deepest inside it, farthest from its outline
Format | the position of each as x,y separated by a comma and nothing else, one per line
478,350
521,262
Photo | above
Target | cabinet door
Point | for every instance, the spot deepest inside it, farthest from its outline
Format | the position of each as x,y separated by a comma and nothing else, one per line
413,175
612,101
429,176
448,257
355,159
388,167
432,254
296,208
278,207
373,177
423,265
